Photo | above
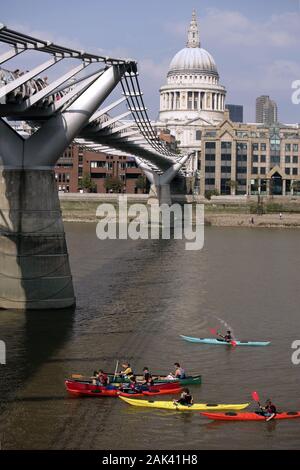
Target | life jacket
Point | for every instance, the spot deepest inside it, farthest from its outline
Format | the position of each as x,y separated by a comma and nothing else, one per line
103,378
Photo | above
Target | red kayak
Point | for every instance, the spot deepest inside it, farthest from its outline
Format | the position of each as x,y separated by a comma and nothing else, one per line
76,387
151,392
257,416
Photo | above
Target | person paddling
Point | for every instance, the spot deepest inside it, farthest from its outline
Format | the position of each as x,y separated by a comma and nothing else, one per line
102,378
179,371
186,399
269,410
227,337
127,371
134,386
147,377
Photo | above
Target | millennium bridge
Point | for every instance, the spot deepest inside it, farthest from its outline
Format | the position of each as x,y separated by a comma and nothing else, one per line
34,264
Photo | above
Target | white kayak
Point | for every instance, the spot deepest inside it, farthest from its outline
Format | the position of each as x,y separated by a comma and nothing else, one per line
224,343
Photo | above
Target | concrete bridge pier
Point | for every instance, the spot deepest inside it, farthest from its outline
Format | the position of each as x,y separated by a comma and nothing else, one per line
34,263
160,190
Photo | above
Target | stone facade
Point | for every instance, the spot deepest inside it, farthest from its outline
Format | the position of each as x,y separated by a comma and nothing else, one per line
239,159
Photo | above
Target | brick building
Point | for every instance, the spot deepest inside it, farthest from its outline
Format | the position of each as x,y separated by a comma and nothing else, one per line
77,162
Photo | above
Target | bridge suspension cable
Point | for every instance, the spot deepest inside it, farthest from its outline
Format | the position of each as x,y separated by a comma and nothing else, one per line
134,96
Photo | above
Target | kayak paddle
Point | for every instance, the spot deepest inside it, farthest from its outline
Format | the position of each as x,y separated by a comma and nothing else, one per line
116,369
255,397
214,331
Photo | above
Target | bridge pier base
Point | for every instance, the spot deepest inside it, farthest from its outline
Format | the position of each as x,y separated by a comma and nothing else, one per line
34,262
160,194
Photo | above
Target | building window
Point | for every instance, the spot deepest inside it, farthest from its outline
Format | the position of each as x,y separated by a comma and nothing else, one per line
263,159
287,159
254,170
209,169
198,135
210,145
275,159
295,159
295,171
263,170
225,157
226,169
295,147
287,171
241,147
210,158
211,133
225,186
287,147
254,147
210,181
255,158
226,145
190,100
263,147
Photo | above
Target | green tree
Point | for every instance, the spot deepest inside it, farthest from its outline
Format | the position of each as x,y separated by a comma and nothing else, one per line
87,183
141,183
113,183
296,186
211,192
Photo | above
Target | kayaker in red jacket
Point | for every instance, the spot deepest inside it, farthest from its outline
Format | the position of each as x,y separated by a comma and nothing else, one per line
102,378
269,410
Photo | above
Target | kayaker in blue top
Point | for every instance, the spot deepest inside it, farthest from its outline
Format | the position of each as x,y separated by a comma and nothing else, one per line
179,371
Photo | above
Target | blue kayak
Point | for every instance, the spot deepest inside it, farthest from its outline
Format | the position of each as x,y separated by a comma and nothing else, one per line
224,343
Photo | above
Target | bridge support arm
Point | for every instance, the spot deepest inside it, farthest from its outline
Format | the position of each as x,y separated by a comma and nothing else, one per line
160,191
49,142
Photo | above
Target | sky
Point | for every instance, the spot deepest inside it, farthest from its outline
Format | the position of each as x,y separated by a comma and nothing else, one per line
255,43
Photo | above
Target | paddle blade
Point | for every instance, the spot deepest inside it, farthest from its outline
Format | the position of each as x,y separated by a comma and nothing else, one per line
233,343
255,396
213,331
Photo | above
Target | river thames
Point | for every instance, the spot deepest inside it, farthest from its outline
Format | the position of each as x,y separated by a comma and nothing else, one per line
134,299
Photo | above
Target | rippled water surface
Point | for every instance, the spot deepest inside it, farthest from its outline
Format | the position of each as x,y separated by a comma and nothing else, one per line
134,300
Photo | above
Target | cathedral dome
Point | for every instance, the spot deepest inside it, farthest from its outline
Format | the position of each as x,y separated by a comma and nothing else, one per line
193,60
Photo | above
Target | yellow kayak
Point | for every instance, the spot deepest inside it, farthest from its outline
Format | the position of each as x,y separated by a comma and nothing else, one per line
169,405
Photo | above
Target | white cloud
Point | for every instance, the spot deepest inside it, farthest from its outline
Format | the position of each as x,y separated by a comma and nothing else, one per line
232,28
